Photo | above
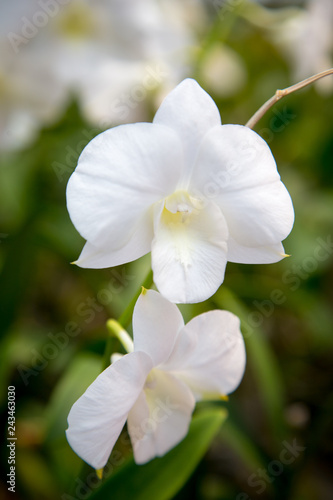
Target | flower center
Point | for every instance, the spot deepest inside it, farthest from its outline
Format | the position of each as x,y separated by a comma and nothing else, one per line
178,208
177,224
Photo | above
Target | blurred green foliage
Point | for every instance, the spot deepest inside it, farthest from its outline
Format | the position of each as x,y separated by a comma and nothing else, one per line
53,314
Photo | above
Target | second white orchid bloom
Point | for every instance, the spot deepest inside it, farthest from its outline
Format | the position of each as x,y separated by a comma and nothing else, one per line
155,387
190,190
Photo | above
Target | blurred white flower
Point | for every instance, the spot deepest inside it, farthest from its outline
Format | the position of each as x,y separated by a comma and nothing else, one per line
109,53
223,71
25,101
306,38
191,191
113,53
155,387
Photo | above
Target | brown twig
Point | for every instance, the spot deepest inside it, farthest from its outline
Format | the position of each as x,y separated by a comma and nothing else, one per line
282,93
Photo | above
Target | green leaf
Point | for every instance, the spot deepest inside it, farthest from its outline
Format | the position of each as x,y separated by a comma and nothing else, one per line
81,373
163,477
35,475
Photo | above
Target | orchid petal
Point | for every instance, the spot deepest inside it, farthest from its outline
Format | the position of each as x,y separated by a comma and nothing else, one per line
138,245
254,255
156,323
189,253
160,418
236,169
120,174
98,416
209,355
259,217
191,112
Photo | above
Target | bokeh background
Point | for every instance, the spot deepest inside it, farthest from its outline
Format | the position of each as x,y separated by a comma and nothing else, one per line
69,69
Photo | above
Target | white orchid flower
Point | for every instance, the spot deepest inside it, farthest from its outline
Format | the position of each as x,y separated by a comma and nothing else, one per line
190,190
155,386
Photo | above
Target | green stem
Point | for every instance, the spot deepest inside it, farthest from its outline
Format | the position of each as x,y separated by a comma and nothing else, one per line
219,32
116,330
123,321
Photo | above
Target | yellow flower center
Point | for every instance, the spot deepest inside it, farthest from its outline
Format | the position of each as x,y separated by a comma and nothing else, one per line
178,208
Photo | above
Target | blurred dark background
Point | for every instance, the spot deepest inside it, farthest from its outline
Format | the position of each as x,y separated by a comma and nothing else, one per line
71,71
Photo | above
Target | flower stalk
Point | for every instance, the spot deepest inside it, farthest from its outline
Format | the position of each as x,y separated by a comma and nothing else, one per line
116,330
116,327
279,94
